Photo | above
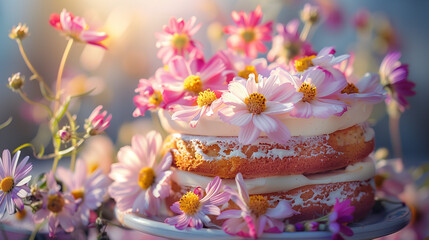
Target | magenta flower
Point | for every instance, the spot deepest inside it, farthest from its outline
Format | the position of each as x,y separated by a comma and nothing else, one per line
89,189
150,96
287,45
139,183
176,39
208,103
391,178
239,66
58,207
248,35
184,80
194,206
394,76
97,122
13,182
76,28
255,107
319,89
367,89
254,216
341,215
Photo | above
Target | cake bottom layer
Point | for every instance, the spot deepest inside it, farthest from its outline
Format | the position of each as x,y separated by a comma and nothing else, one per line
311,201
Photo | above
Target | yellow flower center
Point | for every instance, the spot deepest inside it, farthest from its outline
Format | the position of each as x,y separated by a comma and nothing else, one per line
255,103
308,91
156,98
247,71
21,214
304,63
146,177
379,180
189,203
248,35
258,205
206,98
351,88
193,84
78,194
180,41
55,203
7,184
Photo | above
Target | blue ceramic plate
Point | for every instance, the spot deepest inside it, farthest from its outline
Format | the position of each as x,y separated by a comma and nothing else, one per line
388,220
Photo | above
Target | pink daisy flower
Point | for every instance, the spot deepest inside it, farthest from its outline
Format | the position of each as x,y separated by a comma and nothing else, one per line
254,216
76,28
394,76
287,45
340,216
239,66
58,207
150,96
184,80
255,107
248,35
208,103
97,122
324,59
13,182
139,183
367,89
319,89
90,189
391,178
176,39
194,206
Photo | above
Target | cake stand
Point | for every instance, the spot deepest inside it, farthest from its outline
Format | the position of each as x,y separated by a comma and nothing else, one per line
391,218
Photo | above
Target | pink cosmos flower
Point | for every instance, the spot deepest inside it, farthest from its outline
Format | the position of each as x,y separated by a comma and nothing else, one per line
394,76
319,89
98,152
324,59
287,45
367,89
184,80
139,183
13,182
391,178
89,188
208,103
239,66
254,216
76,28
176,39
150,96
341,215
255,107
58,207
194,206
97,122
248,35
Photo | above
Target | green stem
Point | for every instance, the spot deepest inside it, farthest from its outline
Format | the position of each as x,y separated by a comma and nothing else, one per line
60,72
43,86
395,135
305,31
24,96
73,140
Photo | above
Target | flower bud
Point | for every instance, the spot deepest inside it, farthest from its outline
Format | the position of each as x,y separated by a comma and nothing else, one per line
19,32
311,226
290,228
16,81
65,133
299,227
310,14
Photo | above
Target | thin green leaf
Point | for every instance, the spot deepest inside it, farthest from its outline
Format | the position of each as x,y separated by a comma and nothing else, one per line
83,94
62,109
24,146
42,151
5,124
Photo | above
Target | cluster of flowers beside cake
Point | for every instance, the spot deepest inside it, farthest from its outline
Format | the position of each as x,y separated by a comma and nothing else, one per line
290,129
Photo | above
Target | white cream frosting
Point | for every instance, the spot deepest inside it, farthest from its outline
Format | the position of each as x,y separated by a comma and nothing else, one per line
213,126
357,172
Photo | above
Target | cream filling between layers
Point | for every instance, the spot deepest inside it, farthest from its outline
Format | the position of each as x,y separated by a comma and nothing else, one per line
213,126
357,172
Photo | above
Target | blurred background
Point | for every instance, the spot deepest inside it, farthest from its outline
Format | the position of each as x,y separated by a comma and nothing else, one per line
131,24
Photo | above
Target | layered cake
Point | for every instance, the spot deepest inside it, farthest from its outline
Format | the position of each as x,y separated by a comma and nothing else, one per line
323,160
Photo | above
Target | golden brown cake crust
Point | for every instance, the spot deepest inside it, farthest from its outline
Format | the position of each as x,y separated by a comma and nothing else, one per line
312,201
225,157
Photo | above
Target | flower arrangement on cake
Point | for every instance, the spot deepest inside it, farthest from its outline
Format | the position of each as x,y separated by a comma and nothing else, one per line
256,145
